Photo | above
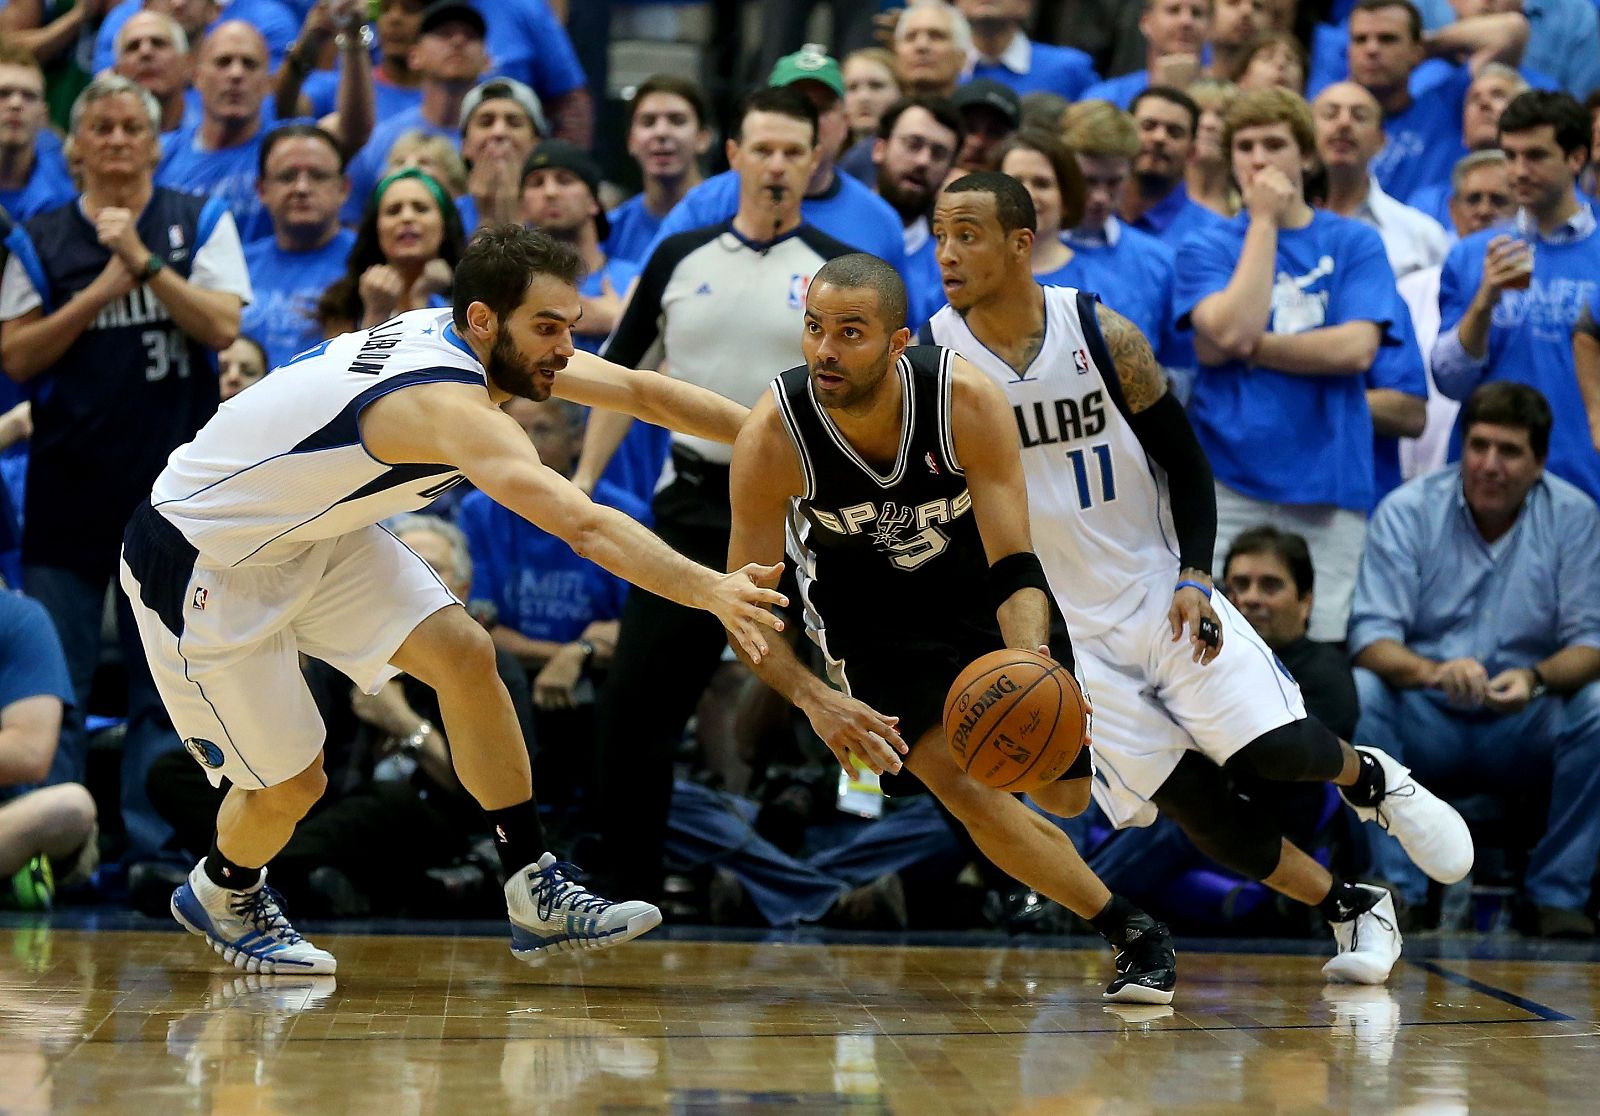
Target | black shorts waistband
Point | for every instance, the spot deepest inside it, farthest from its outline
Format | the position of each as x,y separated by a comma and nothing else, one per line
161,561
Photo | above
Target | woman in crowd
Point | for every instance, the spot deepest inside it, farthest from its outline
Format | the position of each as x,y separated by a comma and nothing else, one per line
404,256
871,84
1210,175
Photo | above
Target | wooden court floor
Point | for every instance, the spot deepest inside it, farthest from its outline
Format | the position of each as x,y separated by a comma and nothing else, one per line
147,1022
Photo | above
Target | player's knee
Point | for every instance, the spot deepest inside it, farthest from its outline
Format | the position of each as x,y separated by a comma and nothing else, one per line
296,796
1300,751
465,655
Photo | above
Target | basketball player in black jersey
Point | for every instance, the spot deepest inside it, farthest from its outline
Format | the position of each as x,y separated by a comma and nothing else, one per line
904,468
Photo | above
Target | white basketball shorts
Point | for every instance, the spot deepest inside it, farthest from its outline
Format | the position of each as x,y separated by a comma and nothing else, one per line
1152,702
224,645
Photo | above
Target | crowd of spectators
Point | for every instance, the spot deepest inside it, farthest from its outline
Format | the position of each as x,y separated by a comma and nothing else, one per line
1359,234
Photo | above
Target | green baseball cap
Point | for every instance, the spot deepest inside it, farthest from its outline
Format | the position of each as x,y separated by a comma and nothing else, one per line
809,63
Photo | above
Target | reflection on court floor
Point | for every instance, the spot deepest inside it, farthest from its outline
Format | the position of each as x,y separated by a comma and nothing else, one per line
146,1022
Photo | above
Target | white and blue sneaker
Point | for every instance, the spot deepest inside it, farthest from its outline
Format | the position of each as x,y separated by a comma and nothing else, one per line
248,928
551,913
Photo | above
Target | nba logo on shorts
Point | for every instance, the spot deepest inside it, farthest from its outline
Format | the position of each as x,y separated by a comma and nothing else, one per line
200,596
798,286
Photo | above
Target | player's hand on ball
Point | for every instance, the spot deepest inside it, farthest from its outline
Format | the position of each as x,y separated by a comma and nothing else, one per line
1192,610
849,727
744,602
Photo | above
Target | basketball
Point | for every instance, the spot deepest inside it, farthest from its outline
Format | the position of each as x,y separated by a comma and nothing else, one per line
1015,720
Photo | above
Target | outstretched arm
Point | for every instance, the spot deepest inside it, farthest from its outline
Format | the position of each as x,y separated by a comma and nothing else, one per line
651,396
455,424
765,476
1164,431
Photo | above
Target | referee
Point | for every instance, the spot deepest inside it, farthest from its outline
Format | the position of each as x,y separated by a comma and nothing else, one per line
725,303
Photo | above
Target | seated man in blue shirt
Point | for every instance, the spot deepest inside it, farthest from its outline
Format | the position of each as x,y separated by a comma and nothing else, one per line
1155,199
834,203
1498,321
302,186
1007,55
1476,628
1289,306
44,833
33,173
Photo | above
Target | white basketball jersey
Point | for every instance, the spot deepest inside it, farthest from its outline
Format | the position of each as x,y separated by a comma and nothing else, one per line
282,464
1102,524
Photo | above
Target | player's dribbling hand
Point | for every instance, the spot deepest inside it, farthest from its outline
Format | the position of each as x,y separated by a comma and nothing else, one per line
851,727
743,601
1192,610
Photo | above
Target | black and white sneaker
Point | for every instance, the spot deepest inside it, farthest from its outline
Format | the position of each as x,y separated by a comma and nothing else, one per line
1147,966
1368,941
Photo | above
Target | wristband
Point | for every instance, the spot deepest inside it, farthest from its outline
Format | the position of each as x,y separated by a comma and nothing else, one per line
587,648
1540,686
152,264
1187,584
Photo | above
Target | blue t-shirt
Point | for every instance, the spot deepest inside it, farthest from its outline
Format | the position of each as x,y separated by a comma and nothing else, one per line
1136,277
366,169
633,230
287,286
527,42
621,273
540,587
924,286
1176,217
1279,437
1424,140
321,88
228,174
1120,91
846,211
276,22
1052,69
1399,368
1530,338
49,186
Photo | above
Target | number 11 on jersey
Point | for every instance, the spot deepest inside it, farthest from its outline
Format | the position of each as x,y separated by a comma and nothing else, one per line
1080,472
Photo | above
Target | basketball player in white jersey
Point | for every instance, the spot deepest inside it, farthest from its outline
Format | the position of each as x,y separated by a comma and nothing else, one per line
1124,521
261,541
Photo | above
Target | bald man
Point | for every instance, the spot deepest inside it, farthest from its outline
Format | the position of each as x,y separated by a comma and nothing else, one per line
153,51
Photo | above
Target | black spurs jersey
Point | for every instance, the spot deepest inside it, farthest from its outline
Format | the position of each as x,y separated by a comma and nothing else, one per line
886,557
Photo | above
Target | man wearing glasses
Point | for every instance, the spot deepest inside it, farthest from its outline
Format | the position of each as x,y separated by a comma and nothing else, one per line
302,186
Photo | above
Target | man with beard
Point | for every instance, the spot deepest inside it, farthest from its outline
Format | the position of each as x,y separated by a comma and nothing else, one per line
1155,199
561,197
918,139
260,540
897,601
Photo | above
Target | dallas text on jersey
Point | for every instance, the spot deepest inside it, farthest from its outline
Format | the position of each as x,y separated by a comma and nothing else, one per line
1066,421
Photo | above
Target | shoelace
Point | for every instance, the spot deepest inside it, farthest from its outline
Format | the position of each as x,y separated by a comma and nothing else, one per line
1355,928
1409,790
263,909
554,884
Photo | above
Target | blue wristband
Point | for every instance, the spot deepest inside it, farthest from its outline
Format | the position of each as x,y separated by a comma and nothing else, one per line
1186,584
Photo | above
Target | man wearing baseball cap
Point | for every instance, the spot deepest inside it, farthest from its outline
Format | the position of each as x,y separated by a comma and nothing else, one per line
561,197
451,58
991,114
834,203
502,121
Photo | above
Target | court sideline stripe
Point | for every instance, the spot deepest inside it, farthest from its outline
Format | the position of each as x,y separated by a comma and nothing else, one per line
1532,1007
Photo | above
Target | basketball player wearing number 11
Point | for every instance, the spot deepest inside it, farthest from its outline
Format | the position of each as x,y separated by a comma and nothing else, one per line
1124,521
895,474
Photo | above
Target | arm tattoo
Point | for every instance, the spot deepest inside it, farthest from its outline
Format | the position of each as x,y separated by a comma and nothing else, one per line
1143,379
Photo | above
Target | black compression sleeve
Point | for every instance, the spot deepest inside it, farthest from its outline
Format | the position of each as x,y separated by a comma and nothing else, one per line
1164,431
